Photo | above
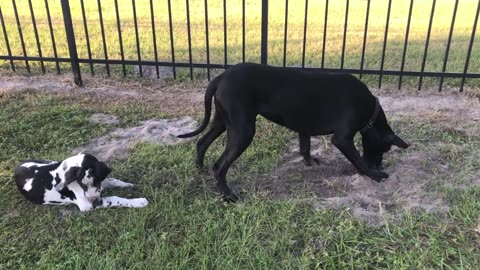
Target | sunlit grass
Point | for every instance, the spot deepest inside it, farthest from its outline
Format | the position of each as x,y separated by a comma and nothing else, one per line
315,26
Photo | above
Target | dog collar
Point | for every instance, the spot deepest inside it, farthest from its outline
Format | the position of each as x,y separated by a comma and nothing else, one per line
374,116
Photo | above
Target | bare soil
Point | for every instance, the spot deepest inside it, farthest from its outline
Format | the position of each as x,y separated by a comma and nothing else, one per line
115,144
414,184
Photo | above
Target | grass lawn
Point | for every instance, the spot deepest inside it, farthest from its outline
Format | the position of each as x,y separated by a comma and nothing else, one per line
316,10
186,226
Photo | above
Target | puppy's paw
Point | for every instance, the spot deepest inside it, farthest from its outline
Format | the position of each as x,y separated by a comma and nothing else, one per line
138,203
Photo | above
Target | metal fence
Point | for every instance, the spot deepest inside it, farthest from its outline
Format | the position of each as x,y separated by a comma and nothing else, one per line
75,61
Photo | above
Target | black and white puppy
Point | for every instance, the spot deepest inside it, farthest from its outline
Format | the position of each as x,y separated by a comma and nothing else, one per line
79,180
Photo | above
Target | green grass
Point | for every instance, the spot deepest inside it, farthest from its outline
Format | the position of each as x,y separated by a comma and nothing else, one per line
354,40
186,226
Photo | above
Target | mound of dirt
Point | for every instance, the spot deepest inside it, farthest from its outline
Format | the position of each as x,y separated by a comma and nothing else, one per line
116,143
335,183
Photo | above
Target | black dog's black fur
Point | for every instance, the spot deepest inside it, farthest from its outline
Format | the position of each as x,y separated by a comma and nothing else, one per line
310,103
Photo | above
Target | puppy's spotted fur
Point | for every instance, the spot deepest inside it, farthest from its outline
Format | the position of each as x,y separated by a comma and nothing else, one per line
79,180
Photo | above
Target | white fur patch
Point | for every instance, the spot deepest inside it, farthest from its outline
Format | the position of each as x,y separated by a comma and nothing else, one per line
28,185
31,164
115,201
53,195
74,161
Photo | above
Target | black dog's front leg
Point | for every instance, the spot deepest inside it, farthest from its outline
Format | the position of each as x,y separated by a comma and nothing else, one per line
346,146
304,140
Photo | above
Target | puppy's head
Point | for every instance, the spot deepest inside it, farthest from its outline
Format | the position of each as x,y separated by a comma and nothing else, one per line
95,171
378,140
89,173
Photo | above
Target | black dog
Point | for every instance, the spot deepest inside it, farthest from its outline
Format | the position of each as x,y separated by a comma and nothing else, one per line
307,102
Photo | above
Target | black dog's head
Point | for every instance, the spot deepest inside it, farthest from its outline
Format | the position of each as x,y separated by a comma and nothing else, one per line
377,140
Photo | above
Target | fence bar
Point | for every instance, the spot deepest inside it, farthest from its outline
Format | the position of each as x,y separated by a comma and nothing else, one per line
52,36
154,37
207,44
137,40
119,29
344,35
189,40
304,33
285,35
103,35
472,39
225,30
20,33
445,60
426,45
172,48
264,44
85,27
365,37
243,31
324,33
72,46
405,44
6,40
384,44
35,31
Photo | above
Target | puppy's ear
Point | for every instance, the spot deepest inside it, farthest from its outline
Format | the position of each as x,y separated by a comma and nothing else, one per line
397,141
101,171
74,174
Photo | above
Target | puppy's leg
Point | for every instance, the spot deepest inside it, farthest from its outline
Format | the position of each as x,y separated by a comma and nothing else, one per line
344,143
218,127
112,182
114,201
239,138
304,140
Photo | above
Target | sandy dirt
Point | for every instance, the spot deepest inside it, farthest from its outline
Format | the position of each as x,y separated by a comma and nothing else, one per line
115,144
334,183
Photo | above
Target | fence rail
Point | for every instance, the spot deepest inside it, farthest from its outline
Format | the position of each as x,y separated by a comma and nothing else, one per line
79,28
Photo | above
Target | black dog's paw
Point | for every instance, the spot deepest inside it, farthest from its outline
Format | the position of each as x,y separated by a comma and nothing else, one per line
308,161
199,164
231,198
377,175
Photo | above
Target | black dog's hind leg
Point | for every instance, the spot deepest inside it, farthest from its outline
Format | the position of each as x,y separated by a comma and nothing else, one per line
344,143
304,140
239,138
218,127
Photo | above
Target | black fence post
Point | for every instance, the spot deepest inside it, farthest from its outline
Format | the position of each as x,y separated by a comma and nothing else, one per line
72,46
264,52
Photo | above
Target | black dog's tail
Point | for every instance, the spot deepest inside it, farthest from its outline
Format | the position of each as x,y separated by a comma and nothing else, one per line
211,89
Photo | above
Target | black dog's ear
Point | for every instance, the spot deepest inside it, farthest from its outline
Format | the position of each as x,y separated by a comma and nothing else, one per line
74,174
397,141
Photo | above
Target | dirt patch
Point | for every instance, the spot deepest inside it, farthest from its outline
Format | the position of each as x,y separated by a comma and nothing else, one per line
334,183
115,144
449,110
104,119
174,98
